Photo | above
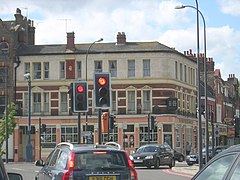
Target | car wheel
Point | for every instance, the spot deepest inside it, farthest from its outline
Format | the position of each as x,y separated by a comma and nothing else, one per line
190,164
172,163
181,159
157,164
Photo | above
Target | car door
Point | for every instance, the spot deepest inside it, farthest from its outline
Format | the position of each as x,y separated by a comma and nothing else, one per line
162,154
49,170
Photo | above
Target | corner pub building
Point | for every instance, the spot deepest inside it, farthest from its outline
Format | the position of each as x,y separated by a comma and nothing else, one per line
146,77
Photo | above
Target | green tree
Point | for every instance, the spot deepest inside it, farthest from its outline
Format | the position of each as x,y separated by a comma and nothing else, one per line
11,125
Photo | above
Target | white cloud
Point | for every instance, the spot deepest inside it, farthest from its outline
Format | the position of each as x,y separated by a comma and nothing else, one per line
230,7
141,20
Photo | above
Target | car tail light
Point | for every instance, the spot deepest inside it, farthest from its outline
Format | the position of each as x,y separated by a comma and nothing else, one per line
68,174
132,169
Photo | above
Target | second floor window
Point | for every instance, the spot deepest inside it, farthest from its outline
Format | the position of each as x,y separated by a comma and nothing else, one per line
2,105
79,69
3,76
36,102
113,68
62,70
98,66
146,67
37,70
46,70
131,68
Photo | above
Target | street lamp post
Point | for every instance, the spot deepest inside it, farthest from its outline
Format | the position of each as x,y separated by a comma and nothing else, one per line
86,71
29,145
198,87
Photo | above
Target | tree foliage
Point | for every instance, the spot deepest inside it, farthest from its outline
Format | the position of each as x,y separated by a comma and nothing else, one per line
11,125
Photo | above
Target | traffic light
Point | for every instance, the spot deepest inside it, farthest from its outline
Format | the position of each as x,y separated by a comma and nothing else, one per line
43,128
102,90
80,96
152,122
112,121
104,122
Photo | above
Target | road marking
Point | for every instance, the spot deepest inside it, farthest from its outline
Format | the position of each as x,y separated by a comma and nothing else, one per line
177,174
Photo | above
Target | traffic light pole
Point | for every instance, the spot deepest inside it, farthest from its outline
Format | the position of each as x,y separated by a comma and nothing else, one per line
99,126
40,142
79,128
149,128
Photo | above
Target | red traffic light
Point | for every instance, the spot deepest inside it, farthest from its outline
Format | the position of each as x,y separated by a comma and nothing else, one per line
102,81
80,89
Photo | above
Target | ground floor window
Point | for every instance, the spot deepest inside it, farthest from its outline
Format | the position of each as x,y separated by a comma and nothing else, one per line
143,135
113,136
48,138
69,133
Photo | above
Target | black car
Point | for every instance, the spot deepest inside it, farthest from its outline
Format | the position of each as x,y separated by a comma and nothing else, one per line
86,162
225,165
153,155
178,156
8,176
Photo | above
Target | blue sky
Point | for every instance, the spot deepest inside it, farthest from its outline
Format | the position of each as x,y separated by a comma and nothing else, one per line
141,20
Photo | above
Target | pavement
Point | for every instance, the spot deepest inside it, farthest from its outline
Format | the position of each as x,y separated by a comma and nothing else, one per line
183,168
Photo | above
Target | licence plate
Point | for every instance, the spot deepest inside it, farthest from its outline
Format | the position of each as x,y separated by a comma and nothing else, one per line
102,178
138,161
192,159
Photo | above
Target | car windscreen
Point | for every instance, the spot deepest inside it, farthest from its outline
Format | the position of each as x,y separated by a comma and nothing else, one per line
147,149
100,160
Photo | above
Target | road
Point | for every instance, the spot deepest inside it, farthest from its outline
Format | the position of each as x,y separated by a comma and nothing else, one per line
29,170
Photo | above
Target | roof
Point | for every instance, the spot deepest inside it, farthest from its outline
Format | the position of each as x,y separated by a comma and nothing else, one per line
129,47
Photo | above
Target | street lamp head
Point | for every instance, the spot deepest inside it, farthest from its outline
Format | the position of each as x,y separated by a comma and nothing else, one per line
180,7
101,39
27,76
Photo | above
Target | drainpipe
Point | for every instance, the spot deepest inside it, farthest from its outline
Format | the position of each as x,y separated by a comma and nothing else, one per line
15,77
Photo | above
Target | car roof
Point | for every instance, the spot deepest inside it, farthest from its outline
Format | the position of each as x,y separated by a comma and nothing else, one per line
88,147
233,148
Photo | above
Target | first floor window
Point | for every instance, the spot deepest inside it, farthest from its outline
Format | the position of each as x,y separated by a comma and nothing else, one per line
64,107
146,101
131,102
36,102
46,102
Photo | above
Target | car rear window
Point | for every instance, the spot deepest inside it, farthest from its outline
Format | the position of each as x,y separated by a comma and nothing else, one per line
100,159
147,149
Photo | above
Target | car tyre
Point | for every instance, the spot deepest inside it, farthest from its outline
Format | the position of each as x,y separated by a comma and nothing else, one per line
172,163
190,164
157,164
181,159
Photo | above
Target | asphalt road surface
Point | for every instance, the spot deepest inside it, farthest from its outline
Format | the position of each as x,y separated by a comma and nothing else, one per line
29,170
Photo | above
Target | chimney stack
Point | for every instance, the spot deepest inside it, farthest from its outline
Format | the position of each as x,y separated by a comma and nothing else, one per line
121,38
70,41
